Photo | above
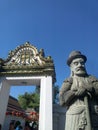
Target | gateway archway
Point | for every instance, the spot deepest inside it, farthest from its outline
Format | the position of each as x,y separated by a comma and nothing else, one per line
26,65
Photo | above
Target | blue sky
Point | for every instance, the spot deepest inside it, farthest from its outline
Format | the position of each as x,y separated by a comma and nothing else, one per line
57,26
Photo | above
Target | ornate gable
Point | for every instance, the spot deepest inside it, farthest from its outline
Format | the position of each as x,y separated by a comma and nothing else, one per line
26,59
25,55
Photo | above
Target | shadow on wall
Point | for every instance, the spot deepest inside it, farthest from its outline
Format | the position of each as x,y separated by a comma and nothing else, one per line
58,117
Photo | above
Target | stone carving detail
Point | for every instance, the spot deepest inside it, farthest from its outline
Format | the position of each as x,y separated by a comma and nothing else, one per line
26,55
79,94
27,60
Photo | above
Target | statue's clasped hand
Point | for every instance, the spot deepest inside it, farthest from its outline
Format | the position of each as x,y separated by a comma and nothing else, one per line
83,91
80,91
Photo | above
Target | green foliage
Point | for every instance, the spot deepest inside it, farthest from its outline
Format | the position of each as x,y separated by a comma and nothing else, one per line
29,100
55,94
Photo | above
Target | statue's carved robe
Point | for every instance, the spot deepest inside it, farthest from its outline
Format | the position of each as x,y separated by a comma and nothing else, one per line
76,117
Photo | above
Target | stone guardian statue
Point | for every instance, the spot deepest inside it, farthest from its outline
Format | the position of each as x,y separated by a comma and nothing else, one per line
79,94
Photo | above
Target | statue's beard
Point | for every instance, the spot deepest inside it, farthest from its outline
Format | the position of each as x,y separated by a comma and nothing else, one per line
81,71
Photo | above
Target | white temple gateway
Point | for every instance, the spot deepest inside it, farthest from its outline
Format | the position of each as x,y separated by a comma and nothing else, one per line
28,66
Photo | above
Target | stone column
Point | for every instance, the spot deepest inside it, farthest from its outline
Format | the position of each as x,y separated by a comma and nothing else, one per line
4,96
45,119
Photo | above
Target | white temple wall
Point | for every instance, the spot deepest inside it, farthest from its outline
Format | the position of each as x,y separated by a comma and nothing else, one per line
4,96
46,101
45,82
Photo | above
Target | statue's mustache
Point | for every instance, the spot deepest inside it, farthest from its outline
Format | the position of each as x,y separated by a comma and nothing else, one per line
80,68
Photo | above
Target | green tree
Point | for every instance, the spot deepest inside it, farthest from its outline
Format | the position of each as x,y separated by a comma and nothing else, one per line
29,100
32,100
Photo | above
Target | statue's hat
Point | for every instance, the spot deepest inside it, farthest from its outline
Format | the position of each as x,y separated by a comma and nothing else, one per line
74,55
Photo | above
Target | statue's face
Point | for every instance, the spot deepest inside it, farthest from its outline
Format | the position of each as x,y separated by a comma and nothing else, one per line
78,66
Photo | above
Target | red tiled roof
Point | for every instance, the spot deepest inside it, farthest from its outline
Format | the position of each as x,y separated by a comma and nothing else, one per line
14,106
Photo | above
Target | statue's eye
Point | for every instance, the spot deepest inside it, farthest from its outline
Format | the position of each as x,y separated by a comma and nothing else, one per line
82,63
75,63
